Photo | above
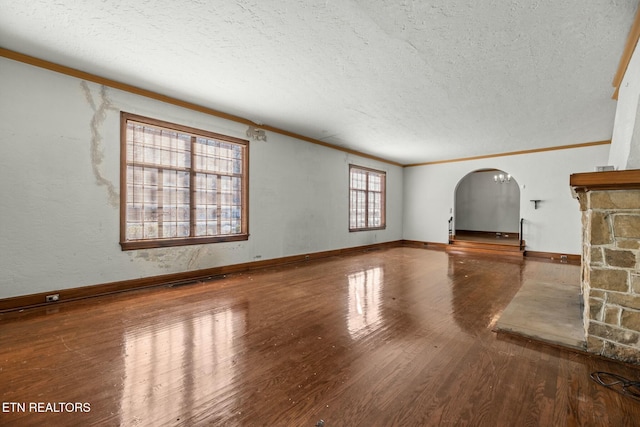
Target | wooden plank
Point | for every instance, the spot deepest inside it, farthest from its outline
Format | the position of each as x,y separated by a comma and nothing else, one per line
610,180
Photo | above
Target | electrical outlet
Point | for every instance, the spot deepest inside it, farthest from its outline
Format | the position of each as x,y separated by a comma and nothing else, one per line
52,298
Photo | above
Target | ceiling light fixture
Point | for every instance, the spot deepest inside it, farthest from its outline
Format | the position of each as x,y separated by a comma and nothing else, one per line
256,134
501,178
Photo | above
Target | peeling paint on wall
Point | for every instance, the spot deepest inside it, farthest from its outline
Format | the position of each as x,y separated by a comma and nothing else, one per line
161,257
97,153
180,258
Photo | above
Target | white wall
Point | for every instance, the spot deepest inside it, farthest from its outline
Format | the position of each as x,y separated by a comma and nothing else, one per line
59,186
482,204
625,143
554,227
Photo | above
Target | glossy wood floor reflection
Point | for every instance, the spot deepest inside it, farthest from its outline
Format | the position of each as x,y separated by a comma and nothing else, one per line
391,337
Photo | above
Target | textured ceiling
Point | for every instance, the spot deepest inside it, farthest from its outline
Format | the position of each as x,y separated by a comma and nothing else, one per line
409,81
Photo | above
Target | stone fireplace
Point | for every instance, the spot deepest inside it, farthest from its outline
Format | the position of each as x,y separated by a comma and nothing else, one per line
610,205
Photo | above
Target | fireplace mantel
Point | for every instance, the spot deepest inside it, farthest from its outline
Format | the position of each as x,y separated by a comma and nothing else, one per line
612,180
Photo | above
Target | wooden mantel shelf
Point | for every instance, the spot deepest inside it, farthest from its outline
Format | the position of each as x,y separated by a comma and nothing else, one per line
611,180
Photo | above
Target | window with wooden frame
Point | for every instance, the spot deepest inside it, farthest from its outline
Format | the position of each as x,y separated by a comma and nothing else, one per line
367,194
180,186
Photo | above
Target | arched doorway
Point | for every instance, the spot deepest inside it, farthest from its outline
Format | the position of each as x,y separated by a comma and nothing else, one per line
487,204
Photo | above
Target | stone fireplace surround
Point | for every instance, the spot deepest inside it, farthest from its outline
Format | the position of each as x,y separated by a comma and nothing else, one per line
610,275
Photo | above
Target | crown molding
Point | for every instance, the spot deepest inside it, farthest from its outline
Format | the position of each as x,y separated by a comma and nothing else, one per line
513,153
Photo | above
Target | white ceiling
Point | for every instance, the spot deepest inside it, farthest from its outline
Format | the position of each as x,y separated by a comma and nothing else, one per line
407,80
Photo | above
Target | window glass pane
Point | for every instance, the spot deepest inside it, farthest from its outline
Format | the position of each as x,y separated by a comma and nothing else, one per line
169,230
150,230
134,230
201,228
237,159
182,213
183,229
212,228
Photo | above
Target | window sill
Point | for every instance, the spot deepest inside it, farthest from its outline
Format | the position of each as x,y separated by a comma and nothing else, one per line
351,230
164,243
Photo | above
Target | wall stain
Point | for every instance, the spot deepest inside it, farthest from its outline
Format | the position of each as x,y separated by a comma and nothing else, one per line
170,258
194,258
97,152
161,257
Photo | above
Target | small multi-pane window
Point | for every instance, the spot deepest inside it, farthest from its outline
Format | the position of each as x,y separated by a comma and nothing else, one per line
366,199
180,185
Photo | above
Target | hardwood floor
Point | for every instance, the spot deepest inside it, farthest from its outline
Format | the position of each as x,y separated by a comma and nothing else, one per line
392,337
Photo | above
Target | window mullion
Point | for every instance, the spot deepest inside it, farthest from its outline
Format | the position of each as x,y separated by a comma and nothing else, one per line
192,189
366,200
160,204
219,204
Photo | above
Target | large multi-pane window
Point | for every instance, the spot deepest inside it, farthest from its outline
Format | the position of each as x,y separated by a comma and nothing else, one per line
180,185
366,199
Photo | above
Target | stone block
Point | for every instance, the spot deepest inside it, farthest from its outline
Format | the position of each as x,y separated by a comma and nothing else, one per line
611,333
583,200
621,352
635,283
595,309
595,345
599,330
615,200
612,315
595,293
630,320
624,300
609,279
620,258
628,244
626,226
596,255
600,229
